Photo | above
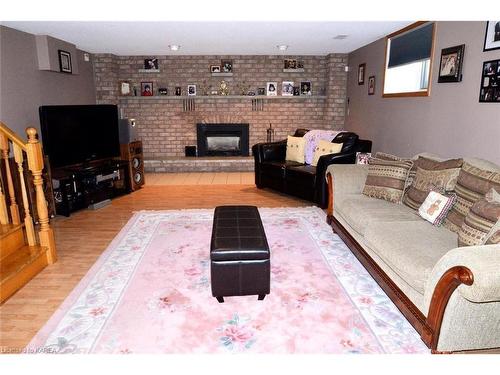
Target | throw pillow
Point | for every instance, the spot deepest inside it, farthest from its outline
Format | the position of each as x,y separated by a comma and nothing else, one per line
479,221
493,237
325,148
472,184
295,147
442,175
436,206
386,179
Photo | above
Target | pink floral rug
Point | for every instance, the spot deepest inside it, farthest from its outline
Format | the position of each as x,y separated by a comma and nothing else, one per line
150,292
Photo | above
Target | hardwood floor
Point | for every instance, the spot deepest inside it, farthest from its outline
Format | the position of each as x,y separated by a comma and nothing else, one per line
82,237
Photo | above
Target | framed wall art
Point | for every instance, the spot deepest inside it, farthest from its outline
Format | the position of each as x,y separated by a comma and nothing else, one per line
151,64
492,37
146,88
125,88
450,64
490,82
361,74
64,61
371,85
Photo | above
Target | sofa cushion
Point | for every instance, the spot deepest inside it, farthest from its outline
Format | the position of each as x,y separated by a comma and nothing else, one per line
387,179
430,173
276,168
295,149
360,211
472,184
480,220
410,249
302,174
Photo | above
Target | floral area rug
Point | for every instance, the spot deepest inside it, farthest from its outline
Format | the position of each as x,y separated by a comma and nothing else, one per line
150,292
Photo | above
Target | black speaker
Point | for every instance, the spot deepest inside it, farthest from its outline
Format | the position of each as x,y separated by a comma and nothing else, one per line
190,150
127,130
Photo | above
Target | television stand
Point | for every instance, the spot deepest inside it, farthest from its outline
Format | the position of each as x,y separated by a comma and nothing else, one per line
80,186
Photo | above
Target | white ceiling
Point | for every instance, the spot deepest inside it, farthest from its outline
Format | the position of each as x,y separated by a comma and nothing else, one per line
212,38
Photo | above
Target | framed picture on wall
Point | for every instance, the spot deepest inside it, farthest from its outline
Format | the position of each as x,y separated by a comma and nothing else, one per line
490,82
361,74
64,61
492,37
450,65
125,88
146,88
371,85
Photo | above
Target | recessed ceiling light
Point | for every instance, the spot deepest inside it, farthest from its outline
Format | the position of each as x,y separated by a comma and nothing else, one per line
174,47
282,47
340,36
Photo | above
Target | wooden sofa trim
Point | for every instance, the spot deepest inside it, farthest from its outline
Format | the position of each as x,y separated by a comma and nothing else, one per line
428,328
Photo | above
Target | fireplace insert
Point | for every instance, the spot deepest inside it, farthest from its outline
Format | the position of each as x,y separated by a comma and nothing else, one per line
222,139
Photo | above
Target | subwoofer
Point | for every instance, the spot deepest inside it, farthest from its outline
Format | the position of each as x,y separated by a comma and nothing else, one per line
133,153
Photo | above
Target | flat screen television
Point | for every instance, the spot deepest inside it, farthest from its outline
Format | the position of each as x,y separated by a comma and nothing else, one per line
74,134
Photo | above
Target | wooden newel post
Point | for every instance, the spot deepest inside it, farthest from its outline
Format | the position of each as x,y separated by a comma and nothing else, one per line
35,164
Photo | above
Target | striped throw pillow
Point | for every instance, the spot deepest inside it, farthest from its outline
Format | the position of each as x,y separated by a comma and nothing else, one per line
387,179
431,173
482,217
472,184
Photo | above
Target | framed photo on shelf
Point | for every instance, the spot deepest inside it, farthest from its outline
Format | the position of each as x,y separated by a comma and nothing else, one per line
191,90
64,61
361,74
492,37
226,66
125,88
163,91
363,157
287,88
146,88
151,64
271,89
214,68
305,88
490,82
261,91
296,91
178,91
290,64
371,85
450,65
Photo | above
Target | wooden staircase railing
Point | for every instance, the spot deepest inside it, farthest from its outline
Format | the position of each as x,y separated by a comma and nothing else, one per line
14,192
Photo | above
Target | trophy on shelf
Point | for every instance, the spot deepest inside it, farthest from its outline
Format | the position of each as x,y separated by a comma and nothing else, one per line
270,133
223,89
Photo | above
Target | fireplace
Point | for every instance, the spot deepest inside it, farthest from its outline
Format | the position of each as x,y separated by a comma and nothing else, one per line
222,139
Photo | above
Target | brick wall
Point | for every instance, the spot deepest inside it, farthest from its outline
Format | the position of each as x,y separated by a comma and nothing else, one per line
165,128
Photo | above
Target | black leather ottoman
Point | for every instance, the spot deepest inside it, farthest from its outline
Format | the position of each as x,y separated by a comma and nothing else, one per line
239,253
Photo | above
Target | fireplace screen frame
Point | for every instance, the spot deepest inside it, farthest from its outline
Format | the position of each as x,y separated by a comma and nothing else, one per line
203,131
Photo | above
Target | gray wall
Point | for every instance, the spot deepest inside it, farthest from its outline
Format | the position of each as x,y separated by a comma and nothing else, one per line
24,87
450,122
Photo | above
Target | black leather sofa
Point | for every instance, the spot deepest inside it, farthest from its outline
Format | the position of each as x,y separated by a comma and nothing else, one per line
302,180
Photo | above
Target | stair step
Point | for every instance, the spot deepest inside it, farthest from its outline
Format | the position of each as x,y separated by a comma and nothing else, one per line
11,239
20,267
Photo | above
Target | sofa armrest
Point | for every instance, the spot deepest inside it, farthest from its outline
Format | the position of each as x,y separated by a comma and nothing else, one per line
484,264
347,178
321,190
270,151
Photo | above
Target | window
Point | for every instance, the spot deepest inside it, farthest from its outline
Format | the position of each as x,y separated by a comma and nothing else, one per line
409,60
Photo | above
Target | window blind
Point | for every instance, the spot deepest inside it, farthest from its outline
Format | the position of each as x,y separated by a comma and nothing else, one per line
411,47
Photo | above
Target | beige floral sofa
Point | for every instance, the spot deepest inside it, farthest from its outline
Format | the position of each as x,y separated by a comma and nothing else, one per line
450,294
